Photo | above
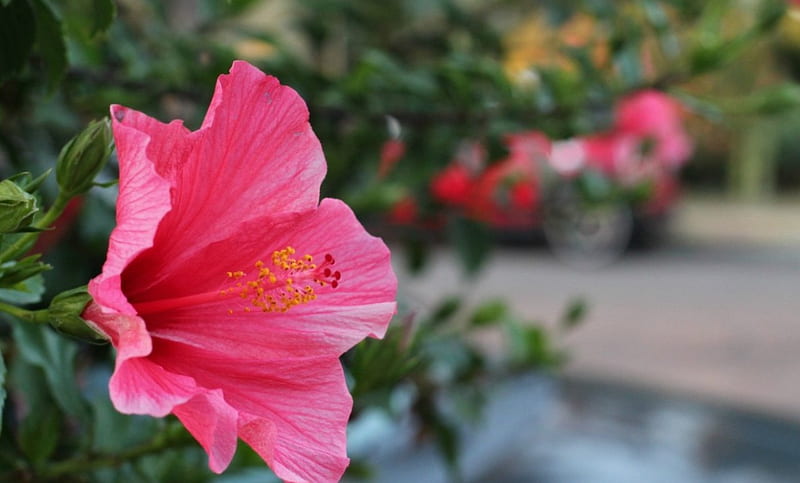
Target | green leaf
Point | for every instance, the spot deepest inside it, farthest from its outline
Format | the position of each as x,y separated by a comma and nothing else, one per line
104,12
377,366
489,313
416,254
17,271
770,14
27,182
113,431
446,309
29,291
2,389
530,346
472,242
50,42
17,36
574,313
55,355
39,434
448,443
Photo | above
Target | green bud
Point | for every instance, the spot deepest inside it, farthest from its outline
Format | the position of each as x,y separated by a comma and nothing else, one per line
17,207
83,157
65,315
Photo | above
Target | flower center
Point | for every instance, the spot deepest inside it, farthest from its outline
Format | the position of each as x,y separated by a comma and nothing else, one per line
276,286
283,283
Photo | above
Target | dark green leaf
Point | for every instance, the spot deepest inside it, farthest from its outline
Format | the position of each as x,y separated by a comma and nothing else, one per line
358,470
2,389
39,434
446,309
416,254
379,365
629,65
530,346
55,355
50,42
448,443
769,14
103,13
17,271
472,242
31,393
17,36
489,313
107,184
574,313
26,292
114,431
27,182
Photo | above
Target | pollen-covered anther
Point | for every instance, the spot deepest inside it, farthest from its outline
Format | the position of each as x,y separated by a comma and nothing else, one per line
288,282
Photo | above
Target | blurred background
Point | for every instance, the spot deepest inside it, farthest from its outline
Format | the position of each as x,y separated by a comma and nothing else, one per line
593,206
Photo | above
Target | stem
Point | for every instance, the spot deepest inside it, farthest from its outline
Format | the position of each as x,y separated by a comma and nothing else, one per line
82,465
25,241
34,316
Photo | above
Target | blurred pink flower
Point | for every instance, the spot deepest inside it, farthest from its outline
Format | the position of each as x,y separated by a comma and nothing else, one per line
506,194
230,291
391,152
527,149
654,117
453,185
523,195
567,157
404,212
608,152
647,138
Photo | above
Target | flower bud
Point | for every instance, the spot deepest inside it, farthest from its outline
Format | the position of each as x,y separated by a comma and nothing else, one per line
83,157
17,207
65,315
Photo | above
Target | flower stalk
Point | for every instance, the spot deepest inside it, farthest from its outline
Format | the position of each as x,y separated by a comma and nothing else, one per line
34,316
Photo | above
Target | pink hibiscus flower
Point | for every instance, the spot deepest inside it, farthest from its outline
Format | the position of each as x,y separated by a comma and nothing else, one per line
567,157
229,290
648,138
404,212
452,185
651,115
392,151
506,194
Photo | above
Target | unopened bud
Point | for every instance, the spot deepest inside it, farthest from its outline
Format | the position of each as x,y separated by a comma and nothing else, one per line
83,157
65,315
17,207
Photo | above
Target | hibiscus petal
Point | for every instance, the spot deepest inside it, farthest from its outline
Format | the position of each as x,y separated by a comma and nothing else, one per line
274,336
144,198
362,305
293,412
257,140
127,333
254,156
213,423
138,386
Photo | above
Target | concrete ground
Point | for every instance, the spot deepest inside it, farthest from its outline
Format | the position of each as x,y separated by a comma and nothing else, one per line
714,314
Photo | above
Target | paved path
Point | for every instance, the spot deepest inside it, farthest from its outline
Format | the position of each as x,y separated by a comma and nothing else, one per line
715,314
